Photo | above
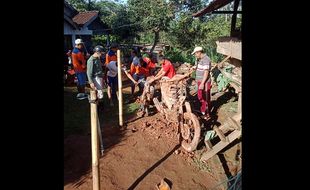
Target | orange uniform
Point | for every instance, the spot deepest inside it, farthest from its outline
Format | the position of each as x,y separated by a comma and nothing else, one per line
110,56
78,60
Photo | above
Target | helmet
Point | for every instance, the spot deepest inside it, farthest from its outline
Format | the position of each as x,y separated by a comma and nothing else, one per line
98,49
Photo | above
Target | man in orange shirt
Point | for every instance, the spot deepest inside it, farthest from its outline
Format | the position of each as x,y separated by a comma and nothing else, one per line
79,66
150,64
111,57
137,72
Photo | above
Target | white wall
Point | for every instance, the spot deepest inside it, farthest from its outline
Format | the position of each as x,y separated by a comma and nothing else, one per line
68,30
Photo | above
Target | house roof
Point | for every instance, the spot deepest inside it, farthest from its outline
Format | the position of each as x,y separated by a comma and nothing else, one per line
84,17
214,5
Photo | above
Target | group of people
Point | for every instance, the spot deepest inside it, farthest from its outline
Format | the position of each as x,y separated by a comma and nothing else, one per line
100,73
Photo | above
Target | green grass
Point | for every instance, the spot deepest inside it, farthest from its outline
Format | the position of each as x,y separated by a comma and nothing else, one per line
205,167
131,109
77,113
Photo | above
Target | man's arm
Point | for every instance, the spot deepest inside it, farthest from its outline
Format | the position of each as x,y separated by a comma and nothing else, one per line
130,77
90,72
159,72
159,75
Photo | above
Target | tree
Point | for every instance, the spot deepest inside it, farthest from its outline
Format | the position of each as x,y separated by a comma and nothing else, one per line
152,15
117,17
83,5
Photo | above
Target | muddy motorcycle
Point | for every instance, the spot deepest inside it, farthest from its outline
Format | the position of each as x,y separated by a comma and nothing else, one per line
174,108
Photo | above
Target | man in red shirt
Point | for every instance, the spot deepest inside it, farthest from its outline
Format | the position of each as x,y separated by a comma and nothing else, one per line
167,69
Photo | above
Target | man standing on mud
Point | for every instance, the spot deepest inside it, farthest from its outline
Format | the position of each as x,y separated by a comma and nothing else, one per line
95,72
79,65
203,80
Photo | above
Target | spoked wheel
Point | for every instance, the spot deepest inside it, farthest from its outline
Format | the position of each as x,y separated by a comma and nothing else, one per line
190,132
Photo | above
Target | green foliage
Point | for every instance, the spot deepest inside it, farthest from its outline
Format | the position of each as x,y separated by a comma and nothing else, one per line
83,5
153,15
119,20
222,82
214,56
177,55
102,39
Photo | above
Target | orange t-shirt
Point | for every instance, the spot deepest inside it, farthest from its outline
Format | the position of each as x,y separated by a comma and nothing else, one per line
110,56
135,69
149,62
78,60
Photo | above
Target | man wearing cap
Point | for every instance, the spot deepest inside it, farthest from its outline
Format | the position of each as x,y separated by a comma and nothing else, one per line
79,65
94,71
203,80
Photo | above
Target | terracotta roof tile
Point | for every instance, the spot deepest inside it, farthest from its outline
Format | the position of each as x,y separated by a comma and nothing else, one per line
84,17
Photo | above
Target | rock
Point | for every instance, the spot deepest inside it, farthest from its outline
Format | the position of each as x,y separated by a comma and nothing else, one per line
177,151
163,185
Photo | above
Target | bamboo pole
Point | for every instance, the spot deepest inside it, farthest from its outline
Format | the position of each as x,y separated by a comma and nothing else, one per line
94,140
120,96
100,138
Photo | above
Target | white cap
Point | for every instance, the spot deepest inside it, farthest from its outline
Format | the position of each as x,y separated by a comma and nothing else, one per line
197,49
78,41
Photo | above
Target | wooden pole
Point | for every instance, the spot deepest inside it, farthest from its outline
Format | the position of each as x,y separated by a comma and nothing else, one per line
234,18
100,138
120,96
94,140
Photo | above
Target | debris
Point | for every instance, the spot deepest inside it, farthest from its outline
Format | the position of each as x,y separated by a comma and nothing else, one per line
163,185
134,130
144,125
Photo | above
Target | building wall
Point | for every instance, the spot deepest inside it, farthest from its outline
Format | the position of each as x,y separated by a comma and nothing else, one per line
69,30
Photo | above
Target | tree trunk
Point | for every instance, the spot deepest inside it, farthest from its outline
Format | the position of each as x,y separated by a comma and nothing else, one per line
156,38
88,6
